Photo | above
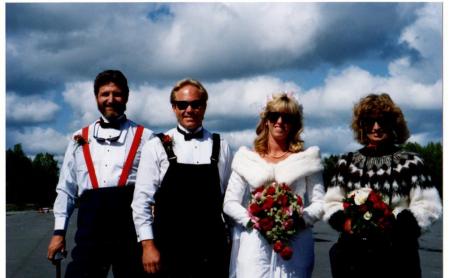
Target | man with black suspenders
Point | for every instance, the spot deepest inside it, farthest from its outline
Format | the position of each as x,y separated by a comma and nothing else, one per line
177,204
99,173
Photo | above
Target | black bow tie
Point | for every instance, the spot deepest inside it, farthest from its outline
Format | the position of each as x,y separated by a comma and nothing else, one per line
112,124
190,136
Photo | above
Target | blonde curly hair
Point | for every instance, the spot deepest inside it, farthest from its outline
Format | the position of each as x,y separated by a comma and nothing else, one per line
284,103
383,105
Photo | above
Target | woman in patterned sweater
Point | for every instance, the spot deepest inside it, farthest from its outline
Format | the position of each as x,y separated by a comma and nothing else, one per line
401,178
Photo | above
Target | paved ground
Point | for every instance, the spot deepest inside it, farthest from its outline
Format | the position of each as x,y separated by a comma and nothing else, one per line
28,233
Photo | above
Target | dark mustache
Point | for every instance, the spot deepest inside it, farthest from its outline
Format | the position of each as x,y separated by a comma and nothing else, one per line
113,105
119,107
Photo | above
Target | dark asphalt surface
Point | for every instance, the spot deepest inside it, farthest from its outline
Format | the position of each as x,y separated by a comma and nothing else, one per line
28,234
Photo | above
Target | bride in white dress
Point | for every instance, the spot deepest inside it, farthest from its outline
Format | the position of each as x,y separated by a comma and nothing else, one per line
278,156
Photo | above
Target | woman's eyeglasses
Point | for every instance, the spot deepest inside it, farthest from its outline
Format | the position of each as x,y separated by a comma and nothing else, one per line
183,105
383,121
286,117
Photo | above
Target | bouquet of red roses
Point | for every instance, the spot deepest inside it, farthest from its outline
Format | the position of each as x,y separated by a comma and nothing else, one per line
367,214
275,211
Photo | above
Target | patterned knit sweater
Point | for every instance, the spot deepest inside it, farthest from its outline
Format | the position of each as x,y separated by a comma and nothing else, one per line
397,174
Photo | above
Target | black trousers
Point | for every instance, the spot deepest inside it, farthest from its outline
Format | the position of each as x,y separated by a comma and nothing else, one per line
354,258
189,231
105,236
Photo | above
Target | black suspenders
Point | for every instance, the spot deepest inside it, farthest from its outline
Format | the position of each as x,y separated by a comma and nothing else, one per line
215,149
167,147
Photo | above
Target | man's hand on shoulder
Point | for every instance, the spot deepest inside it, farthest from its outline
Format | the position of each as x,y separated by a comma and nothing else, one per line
150,256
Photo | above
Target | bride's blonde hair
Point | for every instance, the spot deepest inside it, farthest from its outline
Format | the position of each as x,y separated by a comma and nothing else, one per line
284,103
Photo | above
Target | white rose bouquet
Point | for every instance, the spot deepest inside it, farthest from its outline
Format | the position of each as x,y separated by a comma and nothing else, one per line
366,213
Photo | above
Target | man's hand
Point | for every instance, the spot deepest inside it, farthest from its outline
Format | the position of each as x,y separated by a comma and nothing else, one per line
150,256
57,244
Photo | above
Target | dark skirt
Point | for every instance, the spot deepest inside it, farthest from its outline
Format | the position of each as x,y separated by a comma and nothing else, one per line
353,257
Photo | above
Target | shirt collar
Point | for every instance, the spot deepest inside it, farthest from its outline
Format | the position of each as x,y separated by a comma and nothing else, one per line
108,133
122,118
188,131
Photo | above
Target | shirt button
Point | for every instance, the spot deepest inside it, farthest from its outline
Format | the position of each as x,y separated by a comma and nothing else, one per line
106,165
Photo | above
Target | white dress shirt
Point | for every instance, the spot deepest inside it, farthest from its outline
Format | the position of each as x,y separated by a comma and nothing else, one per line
109,149
154,165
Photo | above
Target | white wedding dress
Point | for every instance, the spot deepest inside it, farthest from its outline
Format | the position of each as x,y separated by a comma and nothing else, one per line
252,256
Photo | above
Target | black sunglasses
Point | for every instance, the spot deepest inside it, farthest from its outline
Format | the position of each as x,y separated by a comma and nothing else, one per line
286,117
383,121
183,105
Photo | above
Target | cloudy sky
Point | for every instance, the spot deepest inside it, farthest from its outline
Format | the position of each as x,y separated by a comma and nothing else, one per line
329,54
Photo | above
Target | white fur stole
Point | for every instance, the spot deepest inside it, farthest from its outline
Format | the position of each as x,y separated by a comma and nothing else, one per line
256,171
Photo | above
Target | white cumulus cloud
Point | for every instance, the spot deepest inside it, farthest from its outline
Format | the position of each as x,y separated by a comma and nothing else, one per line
425,36
29,110
80,97
240,51
37,139
343,89
245,97
240,138
331,139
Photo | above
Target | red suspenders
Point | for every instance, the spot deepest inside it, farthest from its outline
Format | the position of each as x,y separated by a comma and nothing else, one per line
131,155
88,158
127,165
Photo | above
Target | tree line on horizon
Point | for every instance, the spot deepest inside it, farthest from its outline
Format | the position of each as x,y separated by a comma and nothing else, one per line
31,183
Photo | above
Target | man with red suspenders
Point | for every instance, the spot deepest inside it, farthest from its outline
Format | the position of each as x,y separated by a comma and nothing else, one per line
99,172
183,175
